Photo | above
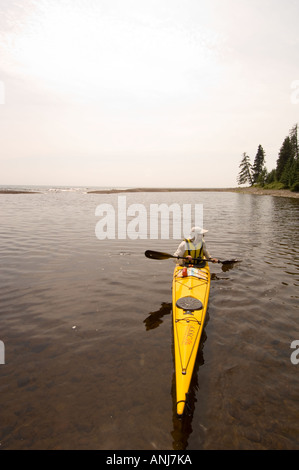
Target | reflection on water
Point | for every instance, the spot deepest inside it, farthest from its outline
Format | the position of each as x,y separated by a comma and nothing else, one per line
155,318
182,426
87,328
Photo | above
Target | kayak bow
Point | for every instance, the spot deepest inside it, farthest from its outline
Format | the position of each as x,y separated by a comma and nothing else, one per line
190,296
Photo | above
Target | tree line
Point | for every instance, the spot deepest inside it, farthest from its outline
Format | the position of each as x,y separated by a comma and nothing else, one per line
286,173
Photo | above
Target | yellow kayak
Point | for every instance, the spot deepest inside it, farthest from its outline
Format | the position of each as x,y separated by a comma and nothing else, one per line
190,296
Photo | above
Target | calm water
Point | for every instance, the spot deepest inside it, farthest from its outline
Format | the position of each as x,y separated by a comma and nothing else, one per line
88,335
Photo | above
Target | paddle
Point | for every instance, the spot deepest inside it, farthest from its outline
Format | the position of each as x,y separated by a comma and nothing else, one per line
160,256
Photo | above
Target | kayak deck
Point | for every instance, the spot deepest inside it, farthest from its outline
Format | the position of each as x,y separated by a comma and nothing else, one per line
190,296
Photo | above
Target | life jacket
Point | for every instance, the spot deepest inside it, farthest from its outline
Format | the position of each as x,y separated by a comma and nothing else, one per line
196,251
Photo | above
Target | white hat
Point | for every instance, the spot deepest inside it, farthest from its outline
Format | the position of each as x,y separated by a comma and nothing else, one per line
197,231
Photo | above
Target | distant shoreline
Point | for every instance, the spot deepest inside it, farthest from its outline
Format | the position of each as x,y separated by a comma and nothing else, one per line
155,190
247,190
12,191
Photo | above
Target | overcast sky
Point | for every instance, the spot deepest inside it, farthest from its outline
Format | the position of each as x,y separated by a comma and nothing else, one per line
144,92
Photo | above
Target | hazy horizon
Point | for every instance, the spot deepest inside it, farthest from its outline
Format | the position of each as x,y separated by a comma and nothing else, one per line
144,94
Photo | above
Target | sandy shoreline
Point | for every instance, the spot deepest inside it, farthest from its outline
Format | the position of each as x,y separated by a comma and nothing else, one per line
10,191
267,192
154,190
249,190
255,191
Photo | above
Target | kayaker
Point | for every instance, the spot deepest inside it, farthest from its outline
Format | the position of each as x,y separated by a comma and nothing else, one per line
194,247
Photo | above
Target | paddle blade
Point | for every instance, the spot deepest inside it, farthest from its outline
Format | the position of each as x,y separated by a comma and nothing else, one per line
157,255
230,261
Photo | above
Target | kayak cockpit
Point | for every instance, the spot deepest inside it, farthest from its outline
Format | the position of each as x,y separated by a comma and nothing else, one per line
189,304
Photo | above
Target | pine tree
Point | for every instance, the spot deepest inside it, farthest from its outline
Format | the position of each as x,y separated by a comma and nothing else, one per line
245,174
287,169
262,178
271,177
258,170
286,177
294,166
295,179
294,141
285,154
